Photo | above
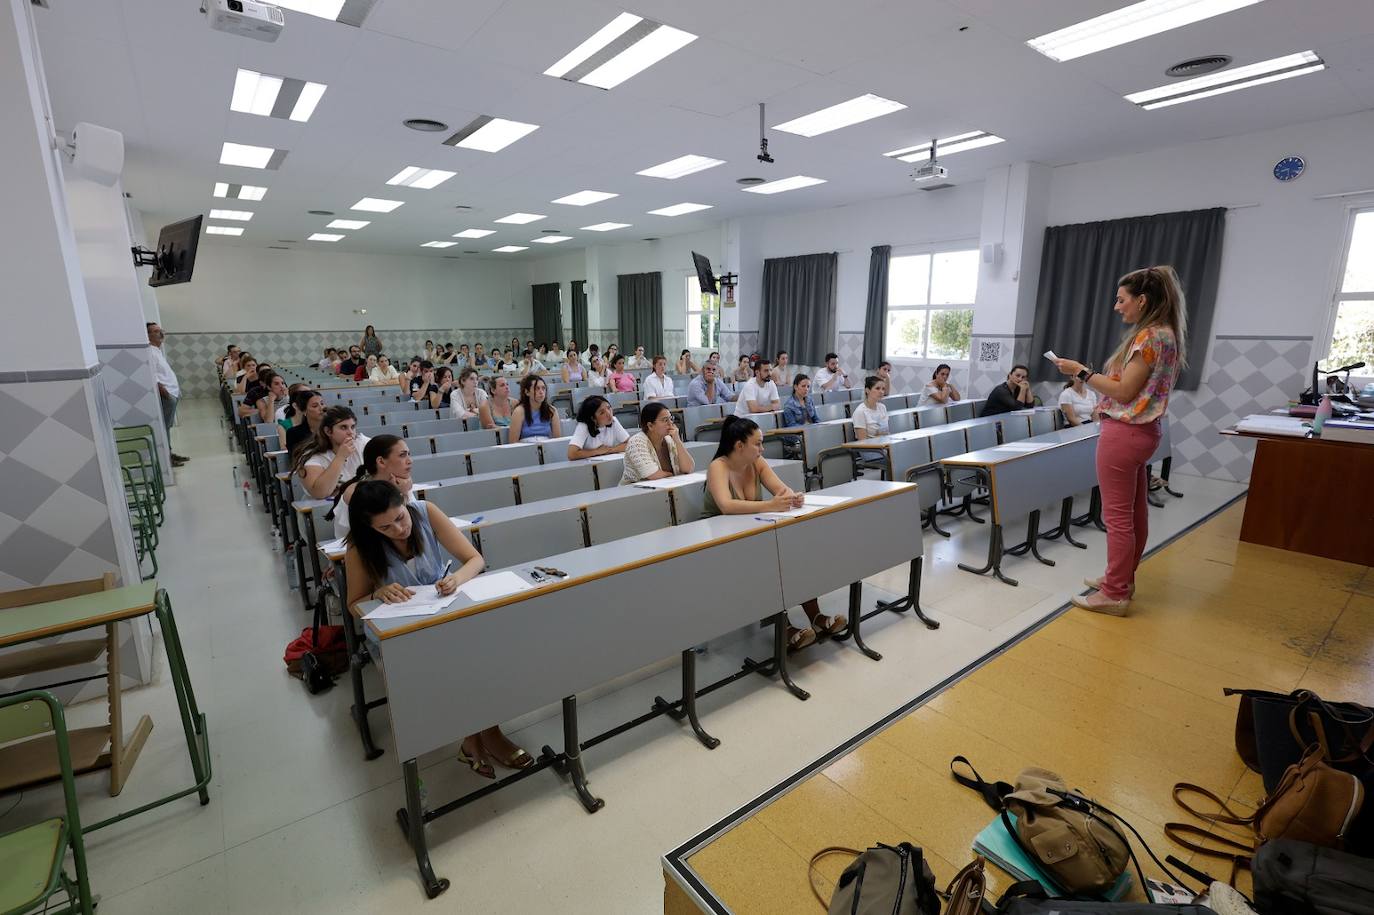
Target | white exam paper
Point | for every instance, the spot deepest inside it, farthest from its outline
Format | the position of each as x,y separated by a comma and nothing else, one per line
812,503
602,458
493,585
425,601
1049,354
681,479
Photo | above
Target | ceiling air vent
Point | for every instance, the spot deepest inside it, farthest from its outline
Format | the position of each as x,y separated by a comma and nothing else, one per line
320,212
427,125
936,187
748,182
1198,66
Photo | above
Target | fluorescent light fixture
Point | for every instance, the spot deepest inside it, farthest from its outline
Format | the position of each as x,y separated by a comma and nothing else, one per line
489,134
425,178
324,236
275,96
474,233
1129,23
681,166
520,219
550,239
239,191
946,147
246,156
236,215
606,227
854,111
348,224
439,244
1223,81
224,230
510,249
627,45
784,184
583,198
349,12
377,205
680,209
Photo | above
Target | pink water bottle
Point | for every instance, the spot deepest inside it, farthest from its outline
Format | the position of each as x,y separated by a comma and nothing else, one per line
1323,414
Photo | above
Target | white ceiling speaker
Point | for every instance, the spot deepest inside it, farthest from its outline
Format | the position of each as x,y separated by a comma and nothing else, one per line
96,153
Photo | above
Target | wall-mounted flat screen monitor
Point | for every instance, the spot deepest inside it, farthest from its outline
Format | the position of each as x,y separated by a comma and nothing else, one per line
176,252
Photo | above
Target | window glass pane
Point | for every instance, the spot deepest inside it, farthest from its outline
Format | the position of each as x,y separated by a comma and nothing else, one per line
906,334
950,331
1353,340
694,329
1359,264
908,280
954,278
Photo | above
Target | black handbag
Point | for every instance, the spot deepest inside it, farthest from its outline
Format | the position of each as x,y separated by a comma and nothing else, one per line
1274,730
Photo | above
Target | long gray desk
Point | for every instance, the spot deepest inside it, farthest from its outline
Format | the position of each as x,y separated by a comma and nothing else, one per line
481,651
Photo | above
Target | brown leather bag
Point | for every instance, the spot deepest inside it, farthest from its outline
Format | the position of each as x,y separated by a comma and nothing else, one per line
1313,803
964,895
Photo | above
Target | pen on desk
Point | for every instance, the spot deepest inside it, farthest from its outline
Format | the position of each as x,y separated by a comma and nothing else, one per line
477,519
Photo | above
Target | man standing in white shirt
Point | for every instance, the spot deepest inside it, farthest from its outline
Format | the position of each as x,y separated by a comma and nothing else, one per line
832,377
759,394
167,388
656,385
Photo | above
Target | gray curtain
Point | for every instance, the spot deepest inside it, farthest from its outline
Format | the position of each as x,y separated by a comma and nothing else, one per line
875,318
798,313
1078,274
640,302
579,313
548,313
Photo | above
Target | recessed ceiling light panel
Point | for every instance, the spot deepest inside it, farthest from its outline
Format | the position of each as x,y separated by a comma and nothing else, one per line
606,227
1223,81
239,191
377,205
520,219
947,147
474,233
348,224
224,230
584,198
510,249
680,209
348,12
627,45
489,134
439,244
324,236
1129,23
235,215
550,239
281,97
784,184
246,156
680,167
423,178
854,111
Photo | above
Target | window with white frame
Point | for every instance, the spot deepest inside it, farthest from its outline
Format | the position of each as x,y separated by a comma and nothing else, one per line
703,317
930,305
1352,330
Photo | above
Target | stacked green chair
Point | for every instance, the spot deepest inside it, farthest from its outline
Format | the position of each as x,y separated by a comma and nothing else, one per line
144,488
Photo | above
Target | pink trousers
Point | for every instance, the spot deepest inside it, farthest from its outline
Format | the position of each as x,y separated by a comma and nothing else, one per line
1123,449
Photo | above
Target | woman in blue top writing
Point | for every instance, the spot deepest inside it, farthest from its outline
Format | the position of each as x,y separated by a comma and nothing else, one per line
395,546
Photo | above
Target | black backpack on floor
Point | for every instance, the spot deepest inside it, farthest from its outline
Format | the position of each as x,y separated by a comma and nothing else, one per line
1295,878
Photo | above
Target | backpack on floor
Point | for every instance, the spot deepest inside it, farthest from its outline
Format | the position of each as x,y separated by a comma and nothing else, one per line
885,880
1029,898
1297,878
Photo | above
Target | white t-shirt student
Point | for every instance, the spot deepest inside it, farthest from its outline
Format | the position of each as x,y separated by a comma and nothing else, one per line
605,437
350,466
762,395
824,376
1083,404
459,408
873,420
654,387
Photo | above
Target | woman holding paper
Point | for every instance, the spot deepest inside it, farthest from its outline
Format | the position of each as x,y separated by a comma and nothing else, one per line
1135,388
393,547
740,482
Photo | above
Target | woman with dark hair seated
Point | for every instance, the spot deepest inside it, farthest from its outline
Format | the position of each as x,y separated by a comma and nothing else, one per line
533,419
393,547
656,450
385,457
597,431
740,482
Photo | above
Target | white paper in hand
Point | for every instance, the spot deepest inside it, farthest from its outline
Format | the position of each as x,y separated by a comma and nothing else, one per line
1049,354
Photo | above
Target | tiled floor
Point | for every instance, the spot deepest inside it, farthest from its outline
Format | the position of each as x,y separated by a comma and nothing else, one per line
300,823
1123,708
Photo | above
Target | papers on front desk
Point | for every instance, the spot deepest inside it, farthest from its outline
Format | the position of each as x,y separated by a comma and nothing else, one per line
672,482
1273,425
602,458
1023,446
334,546
492,586
812,503
425,601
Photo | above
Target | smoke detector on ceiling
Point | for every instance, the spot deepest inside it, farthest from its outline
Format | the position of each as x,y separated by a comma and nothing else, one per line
1197,66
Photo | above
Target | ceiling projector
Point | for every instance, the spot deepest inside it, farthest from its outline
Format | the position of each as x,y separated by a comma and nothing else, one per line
929,170
247,18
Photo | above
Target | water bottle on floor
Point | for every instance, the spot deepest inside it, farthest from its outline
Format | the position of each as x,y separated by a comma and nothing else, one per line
236,476
246,500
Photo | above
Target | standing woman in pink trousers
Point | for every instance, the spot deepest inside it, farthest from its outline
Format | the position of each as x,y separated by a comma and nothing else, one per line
1135,388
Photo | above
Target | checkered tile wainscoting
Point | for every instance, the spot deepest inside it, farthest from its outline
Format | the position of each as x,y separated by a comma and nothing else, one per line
128,376
674,342
193,355
992,358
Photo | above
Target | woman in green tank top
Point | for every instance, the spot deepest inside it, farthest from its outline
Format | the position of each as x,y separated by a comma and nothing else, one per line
739,482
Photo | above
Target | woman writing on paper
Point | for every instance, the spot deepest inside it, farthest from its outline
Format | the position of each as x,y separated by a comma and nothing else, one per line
394,547
1135,387
740,482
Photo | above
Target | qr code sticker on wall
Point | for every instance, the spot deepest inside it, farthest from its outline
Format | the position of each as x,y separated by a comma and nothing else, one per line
989,351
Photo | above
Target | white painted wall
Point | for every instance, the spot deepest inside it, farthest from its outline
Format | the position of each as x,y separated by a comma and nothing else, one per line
253,289
107,271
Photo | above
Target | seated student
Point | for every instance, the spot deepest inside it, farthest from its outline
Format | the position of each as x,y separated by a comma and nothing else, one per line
870,417
1015,394
939,390
441,392
759,394
479,357
266,397
740,482
885,373
246,375
469,401
386,457
780,372
334,454
529,364
592,350
421,385
309,405
500,404
432,354
554,354
571,371
533,419
685,365
638,360
406,383
657,385
461,359
364,371
832,377
707,388
349,366
394,547
799,408
597,430
619,379
656,450
327,363
384,373
742,372
1077,402
597,376
289,417
611,352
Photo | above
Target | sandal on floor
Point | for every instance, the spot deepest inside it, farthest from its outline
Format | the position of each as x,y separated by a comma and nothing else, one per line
830,625
477,763
797,639
517,760
1156,484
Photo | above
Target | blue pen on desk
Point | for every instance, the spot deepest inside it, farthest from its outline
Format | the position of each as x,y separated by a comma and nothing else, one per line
477,519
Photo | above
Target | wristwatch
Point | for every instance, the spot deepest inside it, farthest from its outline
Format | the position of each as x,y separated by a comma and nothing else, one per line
1085,374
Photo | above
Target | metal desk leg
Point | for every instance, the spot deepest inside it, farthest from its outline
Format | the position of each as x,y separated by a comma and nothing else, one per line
1029,545
1094,513
912,600
1165,466
968,509
358,658
932,522
412,820
569,763
778,663
689,701
994,563
856,620
1065,528
297,545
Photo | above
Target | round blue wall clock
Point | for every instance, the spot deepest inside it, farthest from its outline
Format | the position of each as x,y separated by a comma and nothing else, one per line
1289,167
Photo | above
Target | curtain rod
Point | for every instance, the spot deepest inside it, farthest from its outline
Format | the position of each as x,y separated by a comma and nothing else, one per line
1368,190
